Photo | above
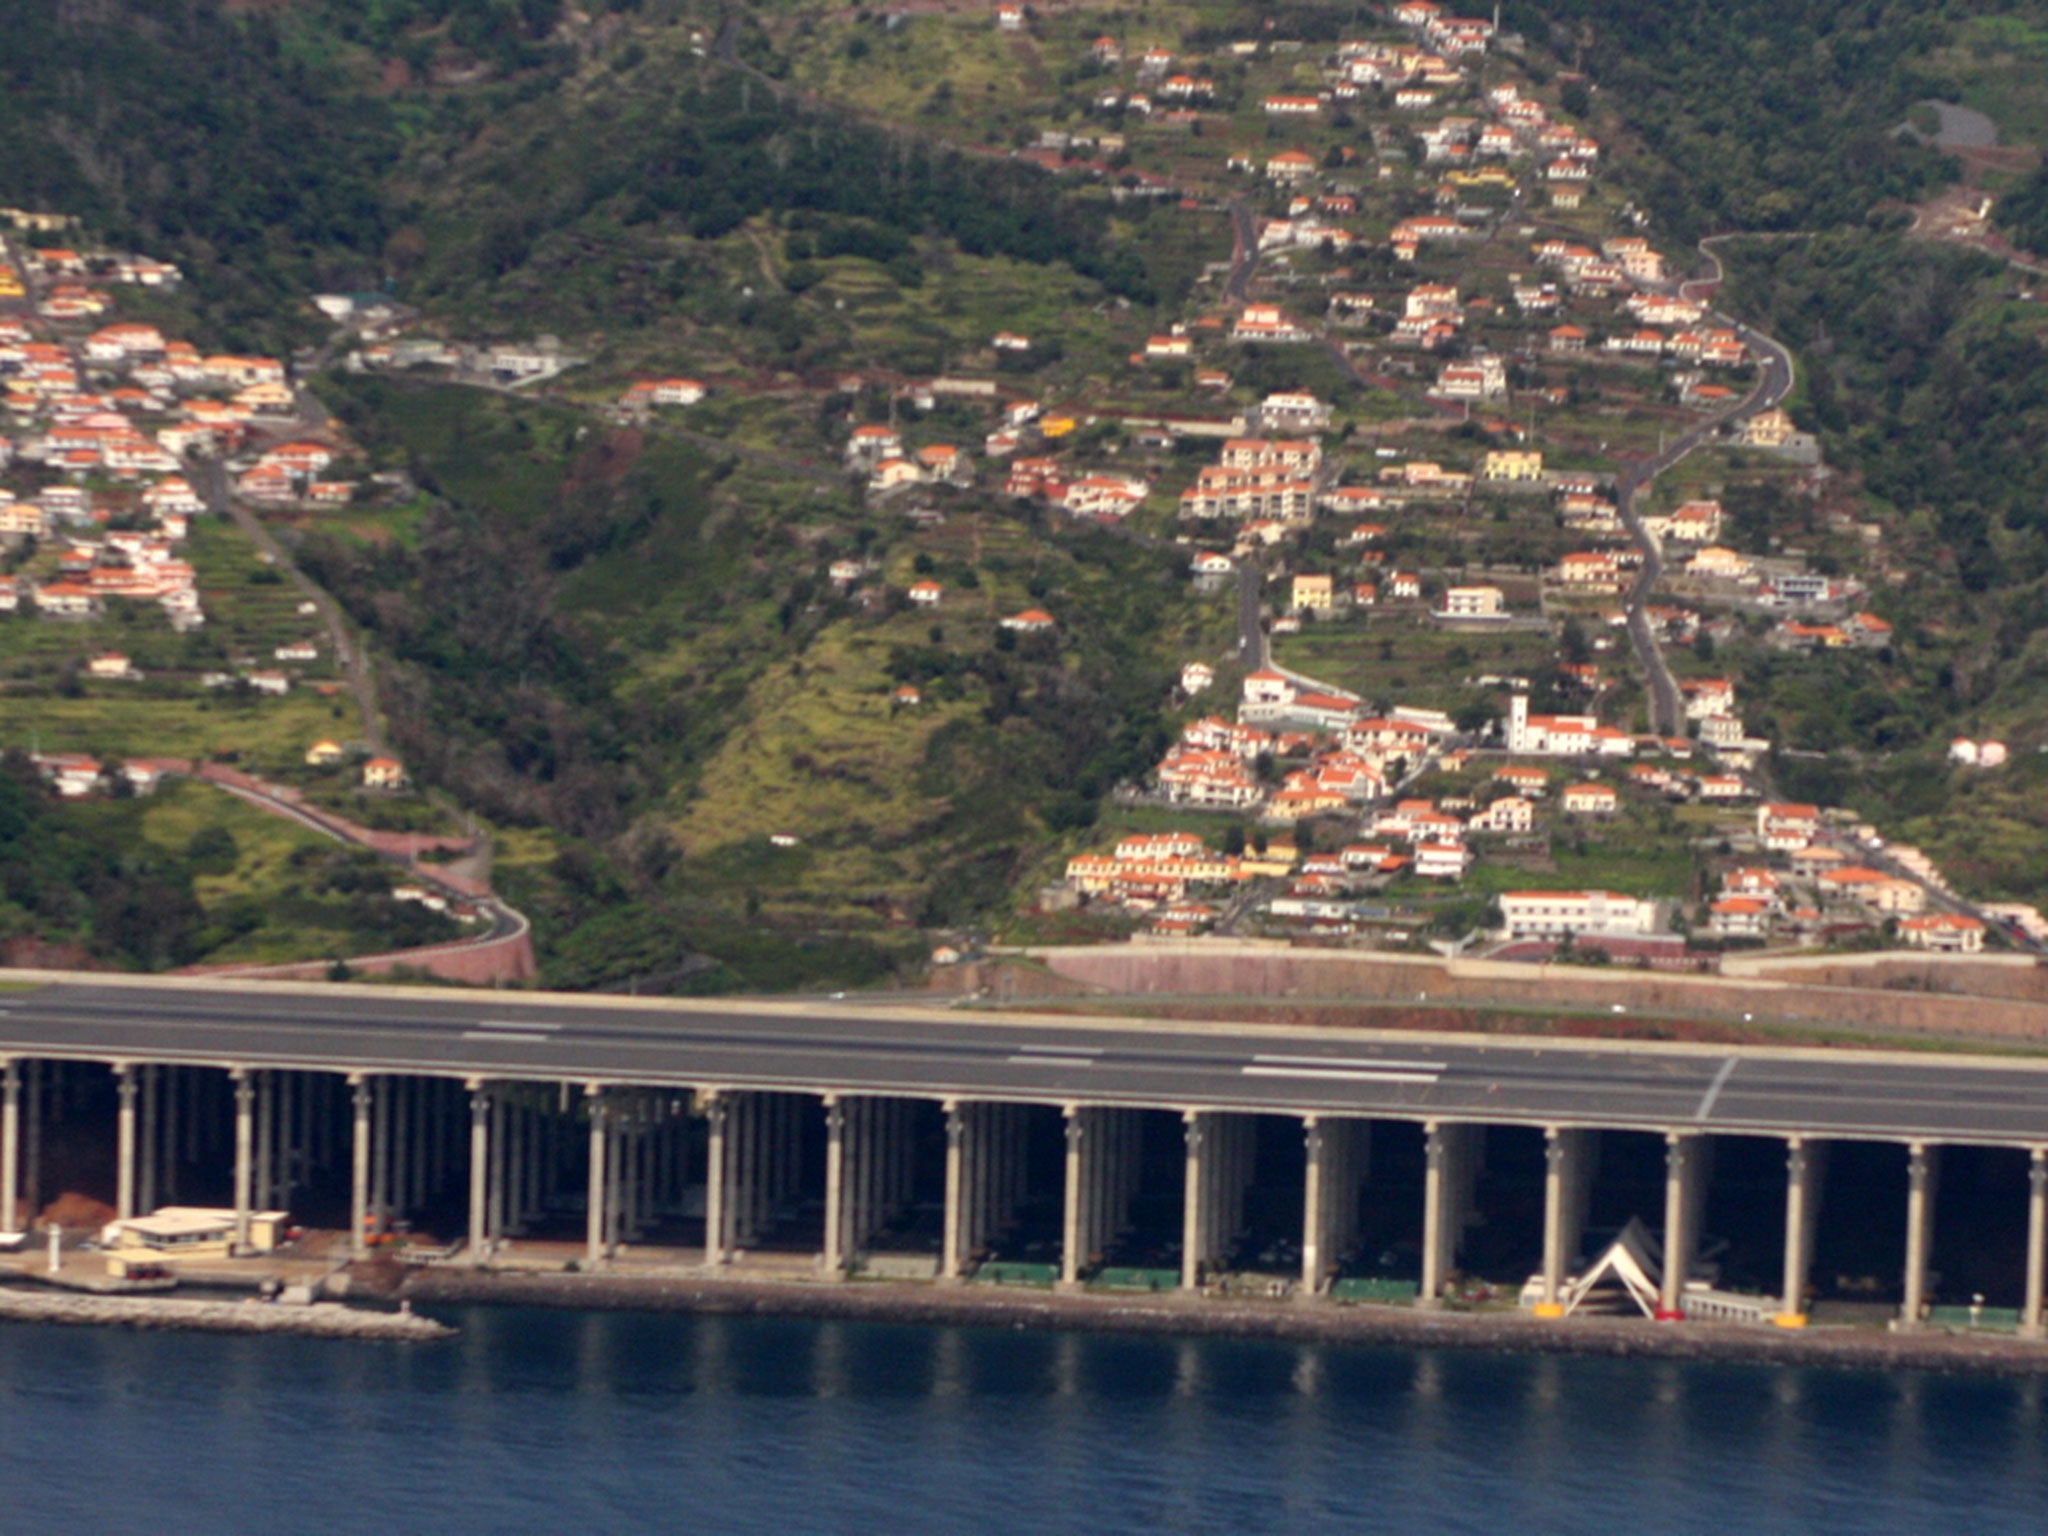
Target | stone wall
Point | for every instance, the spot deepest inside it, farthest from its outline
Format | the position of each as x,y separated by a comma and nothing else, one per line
1223,970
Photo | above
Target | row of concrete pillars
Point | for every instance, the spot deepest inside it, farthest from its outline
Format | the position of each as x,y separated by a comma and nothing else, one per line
635,1154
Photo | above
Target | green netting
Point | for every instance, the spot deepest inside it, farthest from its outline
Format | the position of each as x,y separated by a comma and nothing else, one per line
1374,1290
1136,1280
1987,1319
1014,1272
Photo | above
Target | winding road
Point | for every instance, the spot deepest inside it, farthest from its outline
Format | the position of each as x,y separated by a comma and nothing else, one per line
1774,383
210,480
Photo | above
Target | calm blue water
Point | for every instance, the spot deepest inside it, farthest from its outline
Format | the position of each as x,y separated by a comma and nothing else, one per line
537,1421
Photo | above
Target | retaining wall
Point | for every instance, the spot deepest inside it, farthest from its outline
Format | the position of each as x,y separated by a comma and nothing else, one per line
1274,971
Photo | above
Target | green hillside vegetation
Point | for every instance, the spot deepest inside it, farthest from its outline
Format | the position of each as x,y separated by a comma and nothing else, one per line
617,639
1753,114
186,128
609,635
186,876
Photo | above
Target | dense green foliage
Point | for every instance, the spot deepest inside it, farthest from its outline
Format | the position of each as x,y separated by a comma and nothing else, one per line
61,880
190,132
539,195
84,875
2023,212
1921,380
1761,114
505,690
507,33
556,561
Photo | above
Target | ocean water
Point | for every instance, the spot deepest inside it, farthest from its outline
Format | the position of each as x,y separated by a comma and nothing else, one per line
549,1421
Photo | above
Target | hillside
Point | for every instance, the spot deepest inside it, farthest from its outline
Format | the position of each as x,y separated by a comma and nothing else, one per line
746,711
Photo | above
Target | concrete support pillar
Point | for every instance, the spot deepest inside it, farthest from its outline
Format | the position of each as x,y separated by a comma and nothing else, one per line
595,1249
245,1148
1684,1184
1923,1168
1345,1190
359,1094
2031,1321
964,1211
1077,1216
124,1168
10,1148
1567,1170
1318,1202
836,1216
481,1104
1803,1162
1198,1197
717,1185
1452,1167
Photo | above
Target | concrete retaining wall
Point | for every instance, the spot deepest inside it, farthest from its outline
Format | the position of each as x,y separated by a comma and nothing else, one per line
1274,971
485,963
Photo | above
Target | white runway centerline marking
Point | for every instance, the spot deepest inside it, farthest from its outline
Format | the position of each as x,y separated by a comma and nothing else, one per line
518,1026
1340,1069
506,1036
1055,1056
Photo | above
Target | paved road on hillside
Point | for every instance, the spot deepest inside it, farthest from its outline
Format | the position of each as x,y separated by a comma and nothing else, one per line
922,1052
1774,383
210,480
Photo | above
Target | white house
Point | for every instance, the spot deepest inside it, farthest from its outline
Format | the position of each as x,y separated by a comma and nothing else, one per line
1550,914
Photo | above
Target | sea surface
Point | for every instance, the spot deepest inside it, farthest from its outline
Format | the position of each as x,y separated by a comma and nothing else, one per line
557,1421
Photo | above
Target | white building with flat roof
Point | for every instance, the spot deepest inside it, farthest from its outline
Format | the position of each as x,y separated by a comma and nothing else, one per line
1552,914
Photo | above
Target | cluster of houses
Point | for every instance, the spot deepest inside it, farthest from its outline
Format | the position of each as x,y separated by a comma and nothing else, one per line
510,365
101,419
378,771
292,474
99,422
95,563
1808,887
77,776
1797,887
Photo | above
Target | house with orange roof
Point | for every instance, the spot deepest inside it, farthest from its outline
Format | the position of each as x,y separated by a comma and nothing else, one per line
1945,932
1590,800
1739,917
384,773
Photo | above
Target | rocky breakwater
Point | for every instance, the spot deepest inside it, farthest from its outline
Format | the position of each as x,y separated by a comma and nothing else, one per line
324,1320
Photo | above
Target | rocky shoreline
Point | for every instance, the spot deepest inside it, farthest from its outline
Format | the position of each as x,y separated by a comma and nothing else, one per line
323,1320
1845,1348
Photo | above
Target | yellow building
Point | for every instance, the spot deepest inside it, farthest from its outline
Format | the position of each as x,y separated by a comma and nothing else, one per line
1513,465
192,1232
1314,594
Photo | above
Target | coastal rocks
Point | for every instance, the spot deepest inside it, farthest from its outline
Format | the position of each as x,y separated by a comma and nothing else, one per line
315,1320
